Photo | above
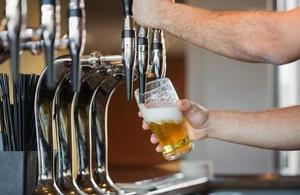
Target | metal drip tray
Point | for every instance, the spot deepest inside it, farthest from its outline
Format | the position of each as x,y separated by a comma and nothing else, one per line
173,184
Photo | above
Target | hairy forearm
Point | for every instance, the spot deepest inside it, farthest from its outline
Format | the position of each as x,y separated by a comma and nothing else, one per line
253,36
272,129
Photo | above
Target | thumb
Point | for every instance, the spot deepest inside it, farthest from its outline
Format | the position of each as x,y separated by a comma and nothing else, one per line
194,113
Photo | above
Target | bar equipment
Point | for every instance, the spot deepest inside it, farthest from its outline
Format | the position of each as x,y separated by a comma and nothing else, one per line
142,59
48,25
158,54
128,46
76,38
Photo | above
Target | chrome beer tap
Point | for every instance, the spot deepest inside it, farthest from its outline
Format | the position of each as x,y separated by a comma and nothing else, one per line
48,22
76,38
142,59
157,54
15,15
128,46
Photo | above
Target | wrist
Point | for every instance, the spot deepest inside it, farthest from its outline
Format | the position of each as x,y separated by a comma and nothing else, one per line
166,15
210,124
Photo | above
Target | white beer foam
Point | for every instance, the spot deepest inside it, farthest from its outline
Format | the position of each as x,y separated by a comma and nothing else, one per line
161,114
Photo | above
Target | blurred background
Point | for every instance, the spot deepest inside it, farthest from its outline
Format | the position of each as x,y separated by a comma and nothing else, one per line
208,79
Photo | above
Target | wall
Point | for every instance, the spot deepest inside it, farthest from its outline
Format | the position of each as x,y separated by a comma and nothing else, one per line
220,83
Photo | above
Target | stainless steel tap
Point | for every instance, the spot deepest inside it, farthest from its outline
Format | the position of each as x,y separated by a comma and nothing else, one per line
14,27
76,38
72,164
46,137
142,59
48,25
128,46
157,53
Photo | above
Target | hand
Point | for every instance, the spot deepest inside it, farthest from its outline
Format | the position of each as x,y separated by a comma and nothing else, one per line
197,117
149,13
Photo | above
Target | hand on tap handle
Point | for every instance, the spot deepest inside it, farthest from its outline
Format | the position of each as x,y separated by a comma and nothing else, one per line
48,21
76,39
128,46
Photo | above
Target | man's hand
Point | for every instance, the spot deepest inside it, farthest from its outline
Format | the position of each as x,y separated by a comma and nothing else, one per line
195,115
149,13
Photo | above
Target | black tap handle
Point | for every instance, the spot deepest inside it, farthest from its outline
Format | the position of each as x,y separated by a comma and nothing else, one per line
127,7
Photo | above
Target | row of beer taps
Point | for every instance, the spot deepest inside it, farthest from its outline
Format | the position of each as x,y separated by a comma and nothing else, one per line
157,63
47,38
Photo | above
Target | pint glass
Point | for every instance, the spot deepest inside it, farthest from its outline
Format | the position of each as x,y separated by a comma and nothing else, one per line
165,120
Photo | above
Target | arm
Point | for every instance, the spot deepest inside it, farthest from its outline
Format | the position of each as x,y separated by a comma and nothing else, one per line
271,129
253,36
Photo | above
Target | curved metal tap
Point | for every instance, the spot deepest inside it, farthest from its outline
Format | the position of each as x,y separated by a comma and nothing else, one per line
71,126
46,146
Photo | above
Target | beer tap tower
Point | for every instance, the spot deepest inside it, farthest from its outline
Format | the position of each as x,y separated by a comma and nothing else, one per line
108,71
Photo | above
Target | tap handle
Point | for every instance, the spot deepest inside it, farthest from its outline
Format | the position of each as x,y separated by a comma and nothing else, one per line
157,53
127,7
48,21
76,33
142,60
128,47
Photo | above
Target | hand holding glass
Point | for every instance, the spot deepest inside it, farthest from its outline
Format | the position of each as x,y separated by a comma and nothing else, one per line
164,118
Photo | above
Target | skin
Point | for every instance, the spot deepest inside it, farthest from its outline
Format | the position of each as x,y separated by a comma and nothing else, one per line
251,36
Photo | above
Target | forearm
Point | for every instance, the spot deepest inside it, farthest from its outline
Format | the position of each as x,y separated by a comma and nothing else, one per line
254,36
273,129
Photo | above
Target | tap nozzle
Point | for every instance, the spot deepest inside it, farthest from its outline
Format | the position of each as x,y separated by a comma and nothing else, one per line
76,39
48,21
142,60
128,46
157,53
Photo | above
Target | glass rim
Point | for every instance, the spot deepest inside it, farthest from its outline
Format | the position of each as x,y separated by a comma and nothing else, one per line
151,82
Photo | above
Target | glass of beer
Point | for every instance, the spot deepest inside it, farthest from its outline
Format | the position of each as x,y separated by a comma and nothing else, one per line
164,118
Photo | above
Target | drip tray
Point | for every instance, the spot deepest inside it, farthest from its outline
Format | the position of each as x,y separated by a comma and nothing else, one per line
175,183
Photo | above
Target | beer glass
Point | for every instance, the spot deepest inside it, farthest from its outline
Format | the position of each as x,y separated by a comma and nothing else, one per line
165,120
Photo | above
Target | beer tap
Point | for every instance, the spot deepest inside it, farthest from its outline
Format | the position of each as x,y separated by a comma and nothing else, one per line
128,46
48,21
76,38
15,24
142,60
157,53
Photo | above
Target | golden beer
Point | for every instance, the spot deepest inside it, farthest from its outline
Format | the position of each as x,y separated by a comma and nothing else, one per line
159,110
169,126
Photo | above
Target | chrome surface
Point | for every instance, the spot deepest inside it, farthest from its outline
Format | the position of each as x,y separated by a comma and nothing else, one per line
142,59
128,53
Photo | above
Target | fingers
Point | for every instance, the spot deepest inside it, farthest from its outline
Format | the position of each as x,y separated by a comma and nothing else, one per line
140,114
145,126
159,149
153,139
194,113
